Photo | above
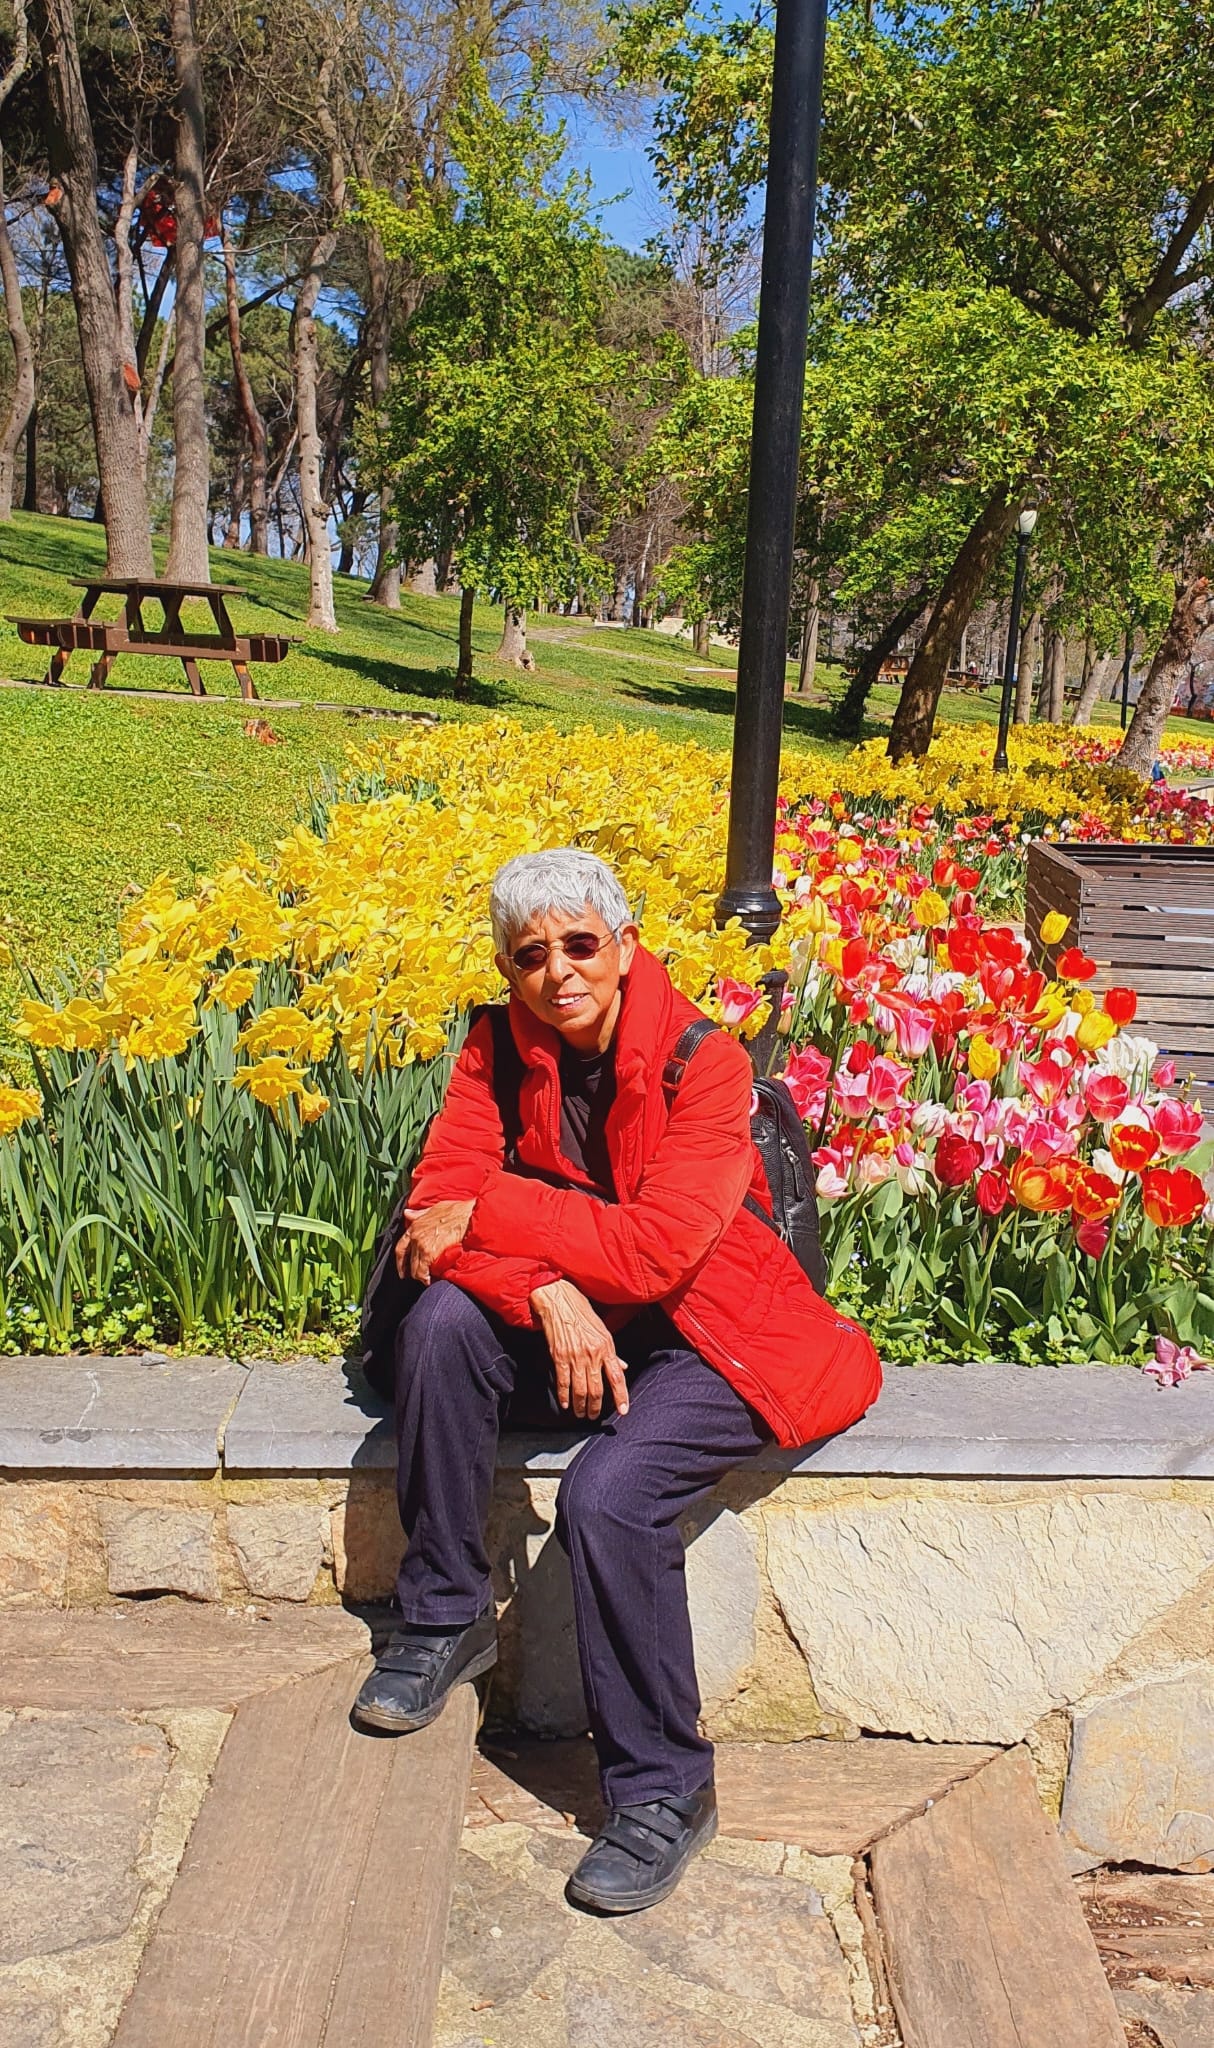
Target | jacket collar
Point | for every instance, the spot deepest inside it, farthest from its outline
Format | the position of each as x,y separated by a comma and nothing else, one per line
641,1032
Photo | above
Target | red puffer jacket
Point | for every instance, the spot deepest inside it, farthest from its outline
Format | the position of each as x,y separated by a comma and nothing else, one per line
678,1234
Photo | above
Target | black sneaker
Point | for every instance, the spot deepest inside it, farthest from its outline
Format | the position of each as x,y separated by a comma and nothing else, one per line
641,1852
414,1673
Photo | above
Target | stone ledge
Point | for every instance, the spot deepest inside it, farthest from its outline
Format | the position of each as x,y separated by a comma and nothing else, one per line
179,1416
142,1414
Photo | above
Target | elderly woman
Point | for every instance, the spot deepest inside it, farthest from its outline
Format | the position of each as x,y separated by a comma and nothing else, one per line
579,1225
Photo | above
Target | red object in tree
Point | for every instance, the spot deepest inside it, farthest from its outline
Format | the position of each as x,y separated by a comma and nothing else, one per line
157,215
130,377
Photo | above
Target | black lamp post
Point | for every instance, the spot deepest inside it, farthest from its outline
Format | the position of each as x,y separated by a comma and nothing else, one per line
1024,533
788,231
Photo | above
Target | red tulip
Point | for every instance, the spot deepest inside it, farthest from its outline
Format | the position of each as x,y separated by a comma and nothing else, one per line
1091,1238
1132,1148
1172,1196
1121,1004
992,1192
1073,964
956,1160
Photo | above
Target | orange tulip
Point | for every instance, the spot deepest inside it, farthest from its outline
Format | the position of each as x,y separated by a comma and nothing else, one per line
1172,1196
1132,1148
1042,1188
1094,1195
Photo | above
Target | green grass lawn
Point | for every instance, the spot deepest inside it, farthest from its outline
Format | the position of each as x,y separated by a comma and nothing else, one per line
100,792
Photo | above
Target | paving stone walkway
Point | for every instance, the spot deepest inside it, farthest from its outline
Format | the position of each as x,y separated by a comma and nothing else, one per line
760,1947
95,1811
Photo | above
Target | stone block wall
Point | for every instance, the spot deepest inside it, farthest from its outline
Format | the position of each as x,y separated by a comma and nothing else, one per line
992,1555
1077,1615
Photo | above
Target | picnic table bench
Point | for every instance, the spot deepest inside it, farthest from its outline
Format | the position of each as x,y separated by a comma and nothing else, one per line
107,639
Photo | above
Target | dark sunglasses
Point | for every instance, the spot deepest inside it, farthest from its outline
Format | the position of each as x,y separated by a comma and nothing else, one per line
578,946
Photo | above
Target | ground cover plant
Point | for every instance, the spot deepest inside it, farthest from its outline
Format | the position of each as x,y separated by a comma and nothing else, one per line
216,1124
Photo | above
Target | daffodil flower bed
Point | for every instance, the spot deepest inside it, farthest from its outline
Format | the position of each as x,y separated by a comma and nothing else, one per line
222,1117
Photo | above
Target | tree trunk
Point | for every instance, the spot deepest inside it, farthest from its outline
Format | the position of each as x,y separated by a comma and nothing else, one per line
809,639
29,502
254,424
1053,675
385,579
188,560
1024,671
72,158
848,721
311,450
700,641
21,400
1096,680
463,672
512,647
915,717
1192,612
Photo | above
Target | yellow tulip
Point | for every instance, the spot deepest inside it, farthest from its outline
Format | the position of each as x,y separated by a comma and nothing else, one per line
1095,1030
984,1060
1054,927
930,910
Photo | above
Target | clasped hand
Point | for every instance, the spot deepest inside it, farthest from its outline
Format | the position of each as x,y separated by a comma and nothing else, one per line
427,1234
583,1350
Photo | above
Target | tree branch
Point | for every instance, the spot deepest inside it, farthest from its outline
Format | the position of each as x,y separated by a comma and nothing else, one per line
1141,314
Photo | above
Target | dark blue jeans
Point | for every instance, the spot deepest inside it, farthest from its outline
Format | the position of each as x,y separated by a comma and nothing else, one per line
618,1510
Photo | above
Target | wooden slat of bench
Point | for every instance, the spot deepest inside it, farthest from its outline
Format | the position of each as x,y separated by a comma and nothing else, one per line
311,1905
984,1940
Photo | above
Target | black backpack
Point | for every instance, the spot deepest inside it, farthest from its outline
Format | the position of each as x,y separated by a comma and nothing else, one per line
777,1131
779,1134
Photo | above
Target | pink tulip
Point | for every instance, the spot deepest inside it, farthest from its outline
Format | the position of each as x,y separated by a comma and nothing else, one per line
1173,1362
1106,1095
738,1000
806,1077
1177,1125
912,1026
1164,1073
886,1083
1045,1078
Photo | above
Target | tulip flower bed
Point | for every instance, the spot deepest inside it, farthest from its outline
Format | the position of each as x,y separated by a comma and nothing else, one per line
220,1120
1002,1170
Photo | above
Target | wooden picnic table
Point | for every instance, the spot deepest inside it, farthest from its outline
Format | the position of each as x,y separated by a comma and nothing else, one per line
107,639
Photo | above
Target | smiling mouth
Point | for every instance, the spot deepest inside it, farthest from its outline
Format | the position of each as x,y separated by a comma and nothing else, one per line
566,1002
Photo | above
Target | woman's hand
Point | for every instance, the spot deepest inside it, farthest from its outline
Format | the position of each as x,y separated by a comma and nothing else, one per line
428,1233
583,1350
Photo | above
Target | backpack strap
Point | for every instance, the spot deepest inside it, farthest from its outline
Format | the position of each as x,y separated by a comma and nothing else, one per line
508,1070
690,1037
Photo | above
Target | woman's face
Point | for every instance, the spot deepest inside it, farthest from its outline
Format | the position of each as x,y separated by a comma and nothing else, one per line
578,998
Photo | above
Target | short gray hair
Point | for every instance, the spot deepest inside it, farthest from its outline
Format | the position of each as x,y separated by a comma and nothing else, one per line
564,879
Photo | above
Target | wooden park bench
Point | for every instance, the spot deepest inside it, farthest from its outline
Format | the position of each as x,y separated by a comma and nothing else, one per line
107,639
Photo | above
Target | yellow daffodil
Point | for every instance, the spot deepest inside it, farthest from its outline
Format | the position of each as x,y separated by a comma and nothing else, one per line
17,1106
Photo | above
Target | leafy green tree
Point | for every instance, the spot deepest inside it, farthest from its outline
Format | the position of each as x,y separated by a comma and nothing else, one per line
495,418
1057,155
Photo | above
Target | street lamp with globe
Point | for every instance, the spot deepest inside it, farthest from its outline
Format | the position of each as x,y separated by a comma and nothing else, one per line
1024,533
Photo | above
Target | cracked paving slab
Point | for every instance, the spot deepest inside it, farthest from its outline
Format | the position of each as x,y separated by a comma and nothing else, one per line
745,1954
